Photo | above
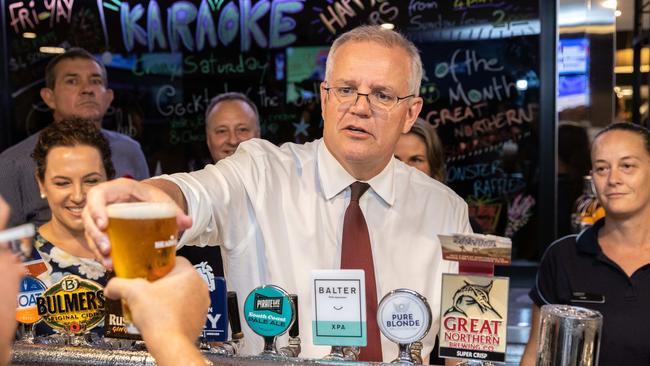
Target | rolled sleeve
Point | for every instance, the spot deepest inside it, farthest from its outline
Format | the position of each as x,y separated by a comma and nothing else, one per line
199,207
219,200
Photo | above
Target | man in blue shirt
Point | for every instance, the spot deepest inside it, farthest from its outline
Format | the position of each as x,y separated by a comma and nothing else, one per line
75,87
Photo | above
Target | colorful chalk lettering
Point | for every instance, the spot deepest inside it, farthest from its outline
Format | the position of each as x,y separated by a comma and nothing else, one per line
194,29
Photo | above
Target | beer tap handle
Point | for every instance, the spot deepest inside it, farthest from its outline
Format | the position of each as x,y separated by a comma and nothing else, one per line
294,331
233,316
293,348
416,352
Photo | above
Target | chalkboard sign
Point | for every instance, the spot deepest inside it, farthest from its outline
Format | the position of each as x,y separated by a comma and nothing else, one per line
166,59
482,96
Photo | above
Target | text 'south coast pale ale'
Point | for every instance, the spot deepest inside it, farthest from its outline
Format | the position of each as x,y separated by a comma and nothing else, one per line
143,240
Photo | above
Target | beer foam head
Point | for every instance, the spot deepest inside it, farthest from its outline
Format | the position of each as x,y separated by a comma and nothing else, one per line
141,210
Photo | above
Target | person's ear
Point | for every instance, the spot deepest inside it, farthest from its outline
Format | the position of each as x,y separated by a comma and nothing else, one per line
109,96
47,95
41,188
323,98
412,113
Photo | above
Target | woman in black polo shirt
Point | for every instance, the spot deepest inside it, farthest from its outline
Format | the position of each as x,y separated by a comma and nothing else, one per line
607,266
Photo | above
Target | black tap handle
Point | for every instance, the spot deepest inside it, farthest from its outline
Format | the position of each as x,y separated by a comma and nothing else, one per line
233,316
295,328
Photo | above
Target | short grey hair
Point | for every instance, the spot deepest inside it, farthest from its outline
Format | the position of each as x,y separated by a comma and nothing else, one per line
224,97
384,37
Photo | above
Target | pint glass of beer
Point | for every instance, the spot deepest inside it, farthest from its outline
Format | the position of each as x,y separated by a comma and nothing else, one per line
143,242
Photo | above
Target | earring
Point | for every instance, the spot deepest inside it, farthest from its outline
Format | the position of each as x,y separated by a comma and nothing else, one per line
42,195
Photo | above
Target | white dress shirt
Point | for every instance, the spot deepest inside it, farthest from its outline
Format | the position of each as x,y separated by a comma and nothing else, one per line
277,213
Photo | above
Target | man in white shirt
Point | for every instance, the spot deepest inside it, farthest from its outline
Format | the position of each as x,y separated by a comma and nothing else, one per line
278,213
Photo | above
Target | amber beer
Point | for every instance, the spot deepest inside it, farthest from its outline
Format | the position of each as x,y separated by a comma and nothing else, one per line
143,240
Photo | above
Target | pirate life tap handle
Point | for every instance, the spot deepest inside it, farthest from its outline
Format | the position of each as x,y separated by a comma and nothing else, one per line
293,348
404,317
269,313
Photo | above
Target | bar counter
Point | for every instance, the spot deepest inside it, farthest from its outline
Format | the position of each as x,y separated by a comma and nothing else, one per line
59,355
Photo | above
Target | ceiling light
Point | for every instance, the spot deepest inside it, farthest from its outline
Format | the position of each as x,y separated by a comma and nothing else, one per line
54,50
30,35
389,26
617,13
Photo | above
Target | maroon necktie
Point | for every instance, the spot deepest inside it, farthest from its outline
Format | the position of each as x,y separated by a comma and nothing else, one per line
356,253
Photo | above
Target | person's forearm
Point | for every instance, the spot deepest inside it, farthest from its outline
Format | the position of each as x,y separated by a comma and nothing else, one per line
529,358
171,189
169,350
452,361
5,355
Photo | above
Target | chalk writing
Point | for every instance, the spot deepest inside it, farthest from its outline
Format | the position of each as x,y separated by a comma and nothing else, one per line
519,213
195,105
498,186
421,22
213,65
267,100
301,128
280,117
473,171
454,115
496,121
498,88
467,62
124,122
233,20
24,16
385,14
209,64
462,21
466,4
419,5
271,123
429,92
337,15
186,136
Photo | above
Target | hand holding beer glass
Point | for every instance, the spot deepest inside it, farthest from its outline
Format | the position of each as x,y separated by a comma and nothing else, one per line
143,237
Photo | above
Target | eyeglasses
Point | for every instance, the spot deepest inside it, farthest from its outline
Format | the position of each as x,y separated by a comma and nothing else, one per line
380,100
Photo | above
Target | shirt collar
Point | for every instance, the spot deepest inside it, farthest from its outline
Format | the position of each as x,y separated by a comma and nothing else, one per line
334,178
587,240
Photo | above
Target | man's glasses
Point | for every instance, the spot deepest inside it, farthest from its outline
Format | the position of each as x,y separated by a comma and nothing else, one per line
378,100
